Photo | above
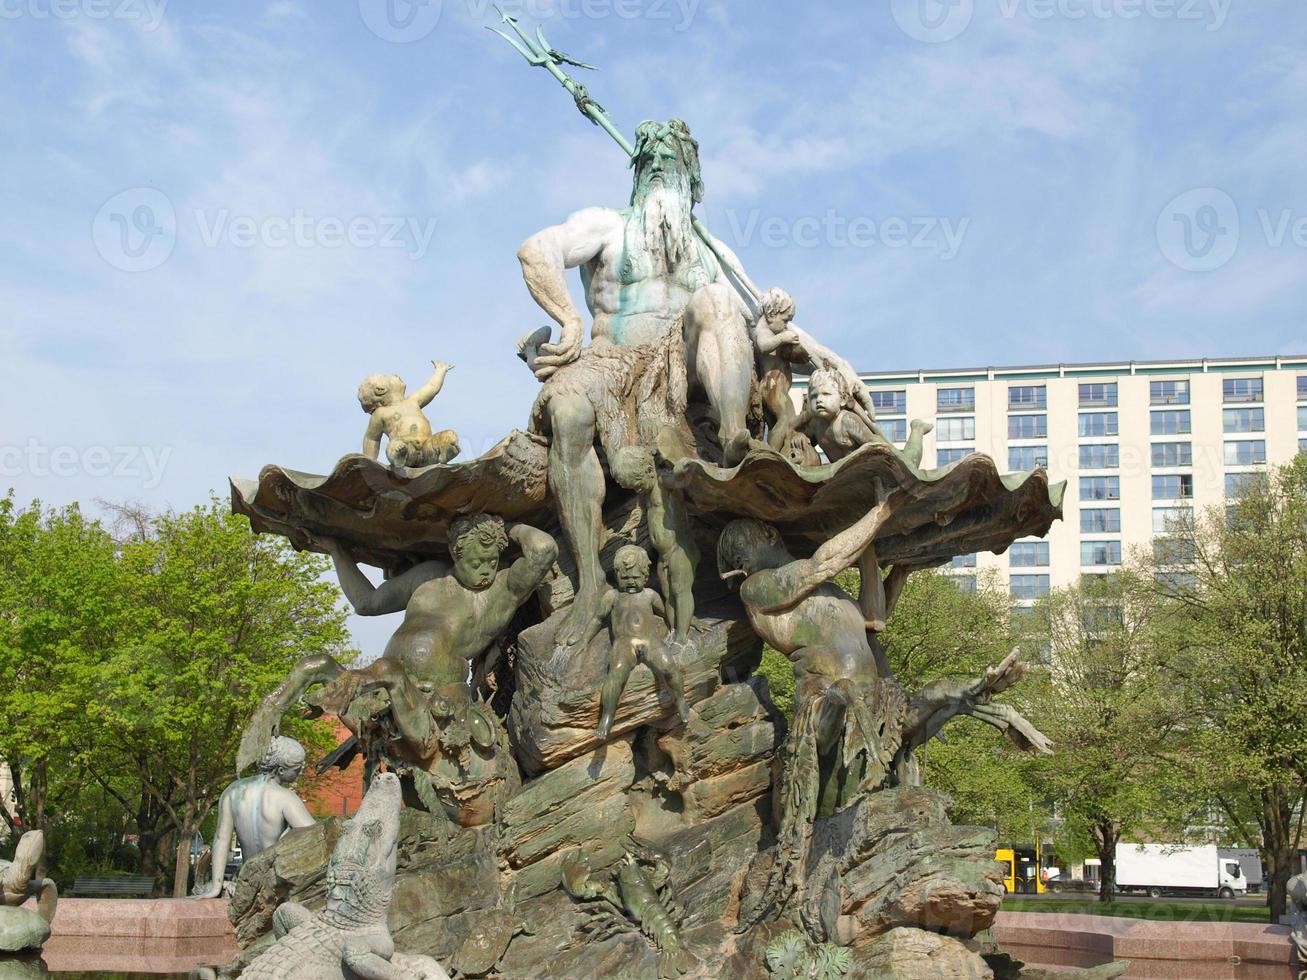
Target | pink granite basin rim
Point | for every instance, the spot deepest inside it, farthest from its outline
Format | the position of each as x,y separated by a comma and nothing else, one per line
1142,939
163,918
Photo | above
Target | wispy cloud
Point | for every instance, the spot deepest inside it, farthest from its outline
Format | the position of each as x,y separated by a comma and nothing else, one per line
1056,142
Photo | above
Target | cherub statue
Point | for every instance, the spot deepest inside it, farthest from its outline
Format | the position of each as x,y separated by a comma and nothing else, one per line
830,419
668,522
634,611
399,417
259,808
780,345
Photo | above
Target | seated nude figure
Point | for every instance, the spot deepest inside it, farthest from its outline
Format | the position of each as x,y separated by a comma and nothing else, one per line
259,808
794,604
399,417
452,614
830,421
646,273
781,345
635,614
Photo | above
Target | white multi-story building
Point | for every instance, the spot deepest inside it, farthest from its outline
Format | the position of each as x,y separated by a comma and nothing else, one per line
1136,442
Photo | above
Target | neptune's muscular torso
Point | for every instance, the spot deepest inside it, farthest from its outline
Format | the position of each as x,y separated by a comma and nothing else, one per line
633,301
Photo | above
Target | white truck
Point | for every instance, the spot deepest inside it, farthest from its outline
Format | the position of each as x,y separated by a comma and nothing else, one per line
1175,869
1250,860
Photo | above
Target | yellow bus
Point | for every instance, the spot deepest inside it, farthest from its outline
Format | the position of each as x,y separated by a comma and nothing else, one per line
1023,869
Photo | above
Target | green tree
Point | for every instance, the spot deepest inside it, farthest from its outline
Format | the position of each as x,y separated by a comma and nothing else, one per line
1237,580
58,596
940,630
213,617
1112,712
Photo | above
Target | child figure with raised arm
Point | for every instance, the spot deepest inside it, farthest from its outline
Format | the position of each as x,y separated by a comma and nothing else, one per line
781,345
399,416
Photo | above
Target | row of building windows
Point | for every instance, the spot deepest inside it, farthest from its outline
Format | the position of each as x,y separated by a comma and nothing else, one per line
1093,554
1107,455
1100,456
1028,554
1107,520
955,429
1100,520
1027,457
1100,552
1099,425
1166,486
1025,587
1029,587
894,401
1167,551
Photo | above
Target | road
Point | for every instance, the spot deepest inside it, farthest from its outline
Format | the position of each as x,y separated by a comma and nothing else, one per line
1253,901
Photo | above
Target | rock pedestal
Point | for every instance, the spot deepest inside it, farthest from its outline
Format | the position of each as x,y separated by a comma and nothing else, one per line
884,876
633,857
556,703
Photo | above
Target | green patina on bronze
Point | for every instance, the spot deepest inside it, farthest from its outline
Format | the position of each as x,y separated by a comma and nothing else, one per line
628,801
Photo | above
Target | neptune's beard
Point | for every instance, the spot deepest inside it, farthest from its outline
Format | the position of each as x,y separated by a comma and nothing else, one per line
664,210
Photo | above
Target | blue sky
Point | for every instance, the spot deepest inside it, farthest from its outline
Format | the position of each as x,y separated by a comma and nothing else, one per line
215,219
